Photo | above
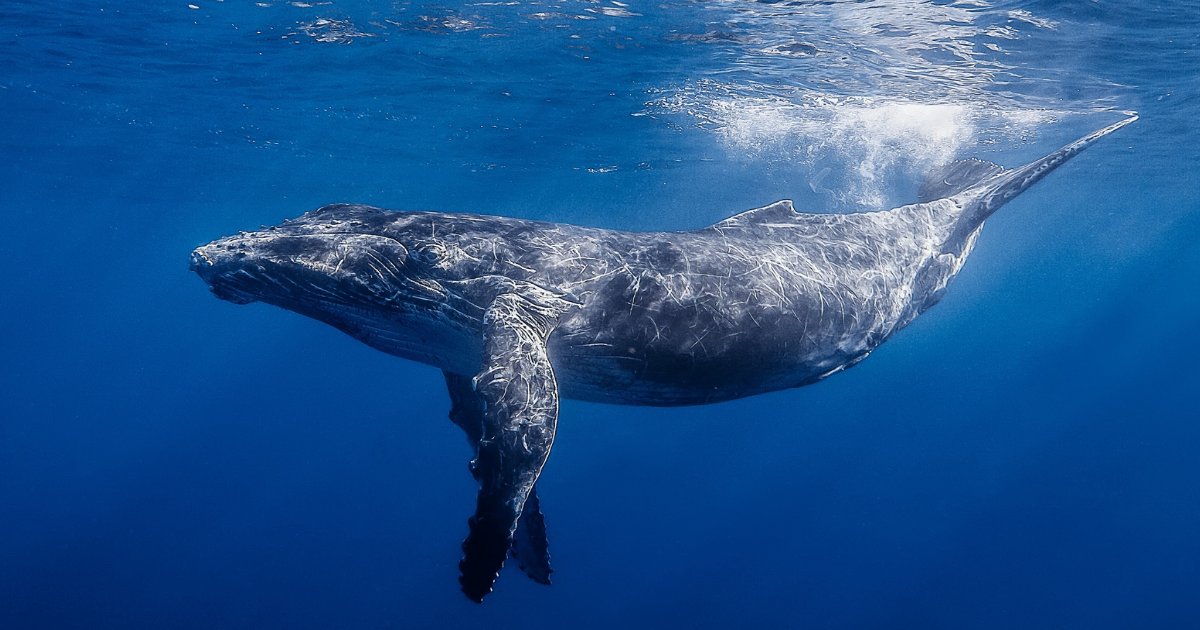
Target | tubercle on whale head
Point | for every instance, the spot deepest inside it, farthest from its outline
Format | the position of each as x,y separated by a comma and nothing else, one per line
209,266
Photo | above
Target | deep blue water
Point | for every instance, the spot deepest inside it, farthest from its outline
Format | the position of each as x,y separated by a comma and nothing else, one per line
1024,455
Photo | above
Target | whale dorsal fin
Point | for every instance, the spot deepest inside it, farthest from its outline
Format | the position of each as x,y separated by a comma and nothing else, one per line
519,397
779,211
956,177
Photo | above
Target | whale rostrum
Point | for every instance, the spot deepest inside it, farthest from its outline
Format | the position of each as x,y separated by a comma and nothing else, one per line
517,313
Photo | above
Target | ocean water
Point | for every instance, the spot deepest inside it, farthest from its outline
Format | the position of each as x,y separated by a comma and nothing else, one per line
1024,455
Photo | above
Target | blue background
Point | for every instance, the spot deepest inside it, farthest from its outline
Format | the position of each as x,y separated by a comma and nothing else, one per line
1024,455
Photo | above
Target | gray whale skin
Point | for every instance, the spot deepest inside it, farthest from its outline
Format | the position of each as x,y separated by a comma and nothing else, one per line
517,313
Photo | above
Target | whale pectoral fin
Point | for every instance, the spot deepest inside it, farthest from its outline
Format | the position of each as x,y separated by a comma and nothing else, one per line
466,410
520,411
530,547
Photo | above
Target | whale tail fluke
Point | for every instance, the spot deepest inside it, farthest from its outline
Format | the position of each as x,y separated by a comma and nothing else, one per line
982,187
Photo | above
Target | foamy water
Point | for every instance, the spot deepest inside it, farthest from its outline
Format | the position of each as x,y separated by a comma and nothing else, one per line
868,141
929,85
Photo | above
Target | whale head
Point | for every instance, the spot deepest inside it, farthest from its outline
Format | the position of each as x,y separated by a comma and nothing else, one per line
333,254
357,268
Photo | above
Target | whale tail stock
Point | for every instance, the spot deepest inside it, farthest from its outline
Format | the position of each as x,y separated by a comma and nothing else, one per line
981,187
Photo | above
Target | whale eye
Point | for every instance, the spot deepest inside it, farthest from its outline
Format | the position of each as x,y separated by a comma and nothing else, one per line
429,254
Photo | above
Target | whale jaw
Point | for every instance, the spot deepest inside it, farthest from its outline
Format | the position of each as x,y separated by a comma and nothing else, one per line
204,265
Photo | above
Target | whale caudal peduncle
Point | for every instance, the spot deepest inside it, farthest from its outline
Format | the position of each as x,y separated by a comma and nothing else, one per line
986,197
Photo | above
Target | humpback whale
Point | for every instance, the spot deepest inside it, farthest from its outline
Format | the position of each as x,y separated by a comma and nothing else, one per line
517,313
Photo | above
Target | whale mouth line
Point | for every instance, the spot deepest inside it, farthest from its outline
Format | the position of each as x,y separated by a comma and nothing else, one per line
230,294
242,285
